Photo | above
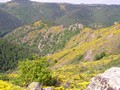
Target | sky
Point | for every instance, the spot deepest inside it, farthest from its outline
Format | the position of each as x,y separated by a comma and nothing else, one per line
78,1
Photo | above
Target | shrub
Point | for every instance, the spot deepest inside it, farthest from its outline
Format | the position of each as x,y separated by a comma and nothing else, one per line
100,56
8,86
77,59
35,71
4,77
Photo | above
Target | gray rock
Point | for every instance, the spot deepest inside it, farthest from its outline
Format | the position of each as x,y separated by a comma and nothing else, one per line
76,26
89,55
35,86
109,80
47,88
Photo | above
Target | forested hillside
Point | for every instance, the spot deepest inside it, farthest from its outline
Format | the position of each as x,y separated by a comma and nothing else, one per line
11,53
8,22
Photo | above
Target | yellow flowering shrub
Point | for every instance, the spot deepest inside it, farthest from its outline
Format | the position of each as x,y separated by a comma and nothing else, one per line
5,86
8,86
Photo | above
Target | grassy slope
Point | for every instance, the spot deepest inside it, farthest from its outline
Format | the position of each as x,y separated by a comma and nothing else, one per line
76,73
97,41
74,44
79,75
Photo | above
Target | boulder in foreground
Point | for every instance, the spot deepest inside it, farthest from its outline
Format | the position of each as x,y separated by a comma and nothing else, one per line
109,80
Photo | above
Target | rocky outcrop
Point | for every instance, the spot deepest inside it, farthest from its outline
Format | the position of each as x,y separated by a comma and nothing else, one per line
109,80
89,55
76,26
117,25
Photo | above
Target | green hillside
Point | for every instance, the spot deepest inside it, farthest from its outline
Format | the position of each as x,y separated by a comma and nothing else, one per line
42,38
62,46
88,45
74,54
30,12
95,16
8,22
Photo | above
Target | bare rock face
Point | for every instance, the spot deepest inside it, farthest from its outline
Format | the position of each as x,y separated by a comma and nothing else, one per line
76,26
89,55
109,80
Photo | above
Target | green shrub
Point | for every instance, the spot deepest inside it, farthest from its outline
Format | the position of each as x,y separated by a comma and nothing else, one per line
35,71
77,59
4,77
100,56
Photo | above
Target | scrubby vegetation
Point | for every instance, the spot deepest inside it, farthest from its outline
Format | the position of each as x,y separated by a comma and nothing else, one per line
34,71
98,57
42,38
72,77
78,76
92,44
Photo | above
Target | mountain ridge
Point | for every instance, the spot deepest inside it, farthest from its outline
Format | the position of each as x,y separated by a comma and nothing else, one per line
92,15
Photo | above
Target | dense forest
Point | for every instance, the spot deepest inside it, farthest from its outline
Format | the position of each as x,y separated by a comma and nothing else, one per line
10,54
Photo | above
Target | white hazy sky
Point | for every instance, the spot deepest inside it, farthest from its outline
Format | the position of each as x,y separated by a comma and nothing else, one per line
79,1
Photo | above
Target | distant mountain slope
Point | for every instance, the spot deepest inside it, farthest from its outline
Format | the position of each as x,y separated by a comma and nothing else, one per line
8,22
41,37
68,45
89,45
95,16
30,12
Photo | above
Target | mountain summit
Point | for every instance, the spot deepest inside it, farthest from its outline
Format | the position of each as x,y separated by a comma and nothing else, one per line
20,1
